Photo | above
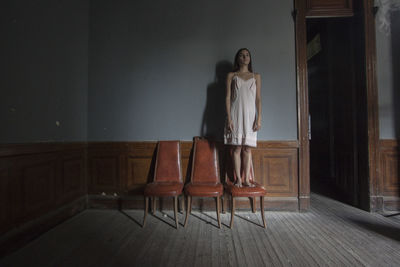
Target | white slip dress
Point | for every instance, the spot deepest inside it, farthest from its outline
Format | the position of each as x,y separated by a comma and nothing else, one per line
243,113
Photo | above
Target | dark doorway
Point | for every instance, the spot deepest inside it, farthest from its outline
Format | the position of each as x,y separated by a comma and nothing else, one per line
337,108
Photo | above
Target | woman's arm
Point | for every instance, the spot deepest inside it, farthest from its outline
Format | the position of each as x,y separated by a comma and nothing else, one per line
257,122
228,99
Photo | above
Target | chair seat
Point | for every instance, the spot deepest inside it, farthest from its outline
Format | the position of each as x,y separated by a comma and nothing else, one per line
204,189
245,191
163,189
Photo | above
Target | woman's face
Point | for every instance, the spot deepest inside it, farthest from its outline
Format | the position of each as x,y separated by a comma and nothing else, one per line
244,57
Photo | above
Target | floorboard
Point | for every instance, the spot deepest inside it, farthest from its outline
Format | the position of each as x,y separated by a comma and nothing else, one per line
330,234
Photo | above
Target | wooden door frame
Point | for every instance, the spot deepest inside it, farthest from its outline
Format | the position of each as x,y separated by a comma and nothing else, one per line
303,105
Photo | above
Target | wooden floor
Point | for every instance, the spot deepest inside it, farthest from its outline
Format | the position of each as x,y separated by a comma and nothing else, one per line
330,234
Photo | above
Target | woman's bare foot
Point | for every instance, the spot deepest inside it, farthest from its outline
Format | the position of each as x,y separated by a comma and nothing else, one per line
248,183
239,182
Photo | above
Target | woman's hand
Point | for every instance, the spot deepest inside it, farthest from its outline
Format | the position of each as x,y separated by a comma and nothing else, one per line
256,125
230,126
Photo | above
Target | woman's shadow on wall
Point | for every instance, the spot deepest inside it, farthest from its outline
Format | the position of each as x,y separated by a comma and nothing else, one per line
213,122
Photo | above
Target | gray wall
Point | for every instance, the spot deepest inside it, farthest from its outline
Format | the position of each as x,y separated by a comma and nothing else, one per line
43,70
156,68
388,69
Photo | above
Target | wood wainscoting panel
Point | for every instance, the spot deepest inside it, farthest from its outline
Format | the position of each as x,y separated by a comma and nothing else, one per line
140,164
104,174
72,173
123,169
38,185
387,197
329,4
186,149
72,182
126,167
329,8
37,180
276,169
138,172
107,167
106,163
4,201
389,171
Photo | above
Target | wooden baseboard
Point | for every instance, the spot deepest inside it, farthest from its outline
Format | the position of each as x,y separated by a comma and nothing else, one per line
391,204
376,204
304,203
383,204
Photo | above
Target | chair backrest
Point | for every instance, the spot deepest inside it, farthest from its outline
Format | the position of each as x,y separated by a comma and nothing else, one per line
205,162
168,162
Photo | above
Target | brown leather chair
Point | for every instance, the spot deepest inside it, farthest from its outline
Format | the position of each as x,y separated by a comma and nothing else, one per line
256,190
204,180
167,176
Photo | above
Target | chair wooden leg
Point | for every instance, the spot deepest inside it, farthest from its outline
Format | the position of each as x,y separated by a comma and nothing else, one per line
183,204
218,208
189,208
262,210
232,210
223,203
190,205
153,205
176,211
254,204
146,207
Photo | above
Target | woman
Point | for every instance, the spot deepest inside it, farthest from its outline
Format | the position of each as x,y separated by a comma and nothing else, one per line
243,108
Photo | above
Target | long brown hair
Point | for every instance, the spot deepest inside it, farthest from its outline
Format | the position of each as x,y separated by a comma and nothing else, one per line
236,65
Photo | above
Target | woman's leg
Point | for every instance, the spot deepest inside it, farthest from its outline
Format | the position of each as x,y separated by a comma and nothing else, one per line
246,164
236,164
